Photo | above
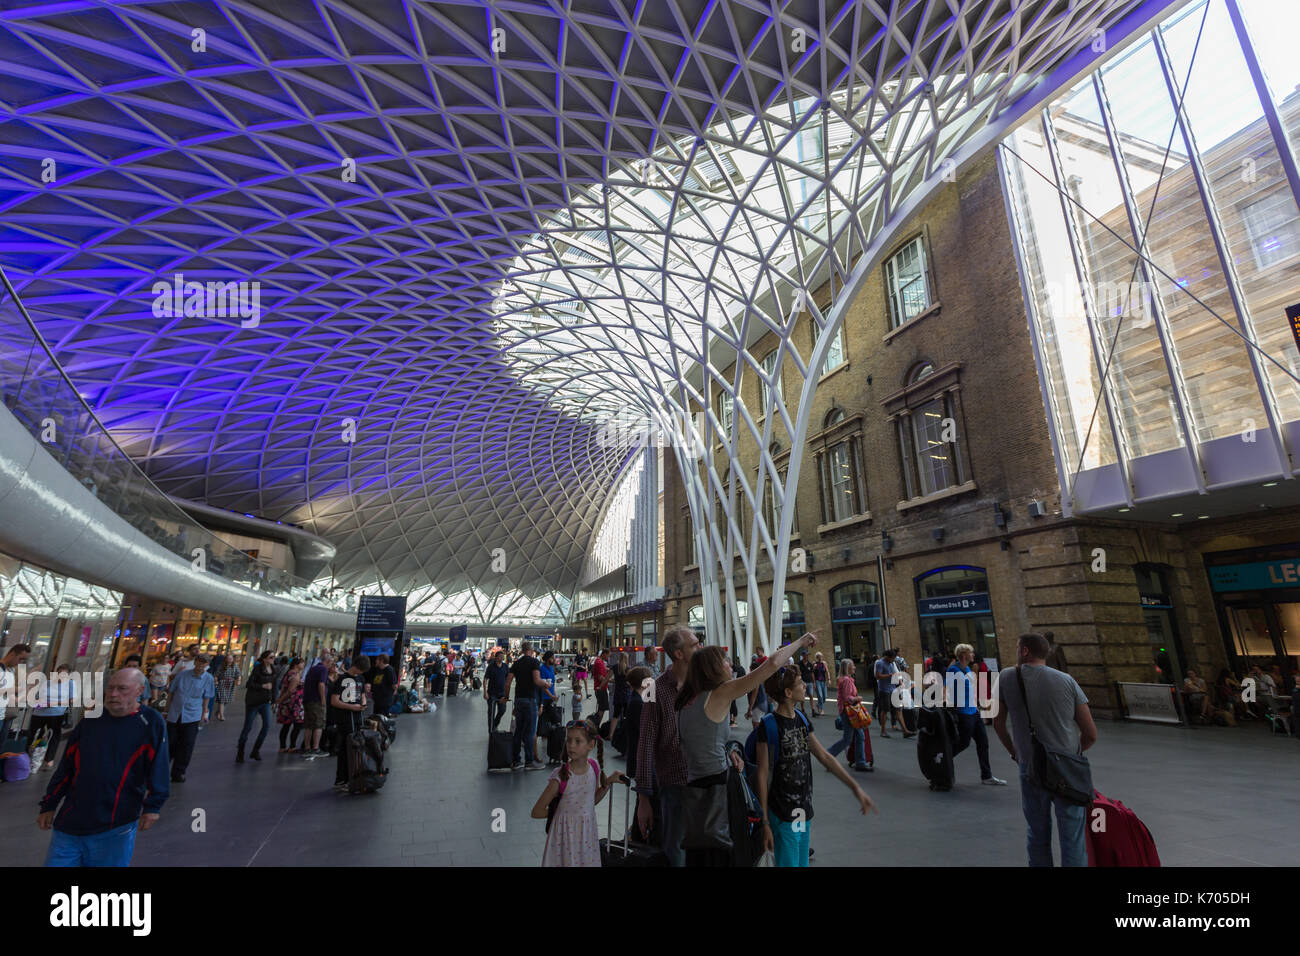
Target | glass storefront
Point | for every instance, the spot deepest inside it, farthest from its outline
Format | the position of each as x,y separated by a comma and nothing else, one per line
89,628
64,620
1257,599
953,607
855,622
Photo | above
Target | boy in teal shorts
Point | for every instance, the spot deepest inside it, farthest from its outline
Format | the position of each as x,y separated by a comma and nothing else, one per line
785,784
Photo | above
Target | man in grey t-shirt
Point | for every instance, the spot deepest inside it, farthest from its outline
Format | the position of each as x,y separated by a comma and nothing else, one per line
1062,721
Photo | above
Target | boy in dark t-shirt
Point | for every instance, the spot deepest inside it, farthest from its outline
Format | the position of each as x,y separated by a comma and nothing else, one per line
785,783
347,701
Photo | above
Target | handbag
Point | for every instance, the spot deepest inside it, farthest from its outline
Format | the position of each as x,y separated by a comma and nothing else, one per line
1064,775
705,813
858,716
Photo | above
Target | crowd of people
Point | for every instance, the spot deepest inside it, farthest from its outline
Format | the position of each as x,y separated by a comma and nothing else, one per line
1258,693
702,797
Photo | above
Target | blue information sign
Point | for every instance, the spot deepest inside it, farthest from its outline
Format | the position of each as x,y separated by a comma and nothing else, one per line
1256,576
855,612
956,605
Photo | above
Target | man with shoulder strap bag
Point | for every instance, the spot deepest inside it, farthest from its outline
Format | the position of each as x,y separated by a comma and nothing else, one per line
1048,744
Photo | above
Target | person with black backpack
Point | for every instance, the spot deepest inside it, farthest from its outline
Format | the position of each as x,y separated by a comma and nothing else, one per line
783,744
347,701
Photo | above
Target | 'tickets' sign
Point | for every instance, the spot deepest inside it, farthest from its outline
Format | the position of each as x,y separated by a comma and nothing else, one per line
1293,317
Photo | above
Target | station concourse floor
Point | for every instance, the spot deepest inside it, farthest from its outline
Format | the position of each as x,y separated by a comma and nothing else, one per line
1211,796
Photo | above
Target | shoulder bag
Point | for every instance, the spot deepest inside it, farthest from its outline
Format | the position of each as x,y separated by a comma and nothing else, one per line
858,716
706,813
1064,775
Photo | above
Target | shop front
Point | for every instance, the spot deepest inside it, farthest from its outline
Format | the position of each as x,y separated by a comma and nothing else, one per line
855,622
953,606
158,643
1257,600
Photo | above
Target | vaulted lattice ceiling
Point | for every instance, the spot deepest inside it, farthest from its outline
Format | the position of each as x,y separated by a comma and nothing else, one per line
502,271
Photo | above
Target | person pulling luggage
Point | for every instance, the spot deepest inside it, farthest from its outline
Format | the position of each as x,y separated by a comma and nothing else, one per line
970,726
347,701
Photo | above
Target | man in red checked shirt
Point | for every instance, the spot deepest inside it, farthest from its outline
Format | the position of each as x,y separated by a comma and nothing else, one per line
660,763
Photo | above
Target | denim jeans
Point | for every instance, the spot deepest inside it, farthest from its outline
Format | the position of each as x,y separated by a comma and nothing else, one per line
110,848
498,705
821,695
853,740
971,727
252,712
525,730
674,824
1070,825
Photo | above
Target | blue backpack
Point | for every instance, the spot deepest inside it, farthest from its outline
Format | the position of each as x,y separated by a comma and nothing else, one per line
773,736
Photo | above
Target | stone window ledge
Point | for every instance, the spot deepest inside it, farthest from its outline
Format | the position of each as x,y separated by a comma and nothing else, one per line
864,518
950,492
932,310
835,371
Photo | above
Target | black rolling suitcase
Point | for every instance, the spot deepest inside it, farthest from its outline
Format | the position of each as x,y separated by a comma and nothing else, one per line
936,736
554,731
366,770
453,680
555,744
626,853
500,743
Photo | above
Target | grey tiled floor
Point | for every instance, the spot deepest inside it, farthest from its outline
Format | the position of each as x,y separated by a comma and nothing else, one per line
1211,796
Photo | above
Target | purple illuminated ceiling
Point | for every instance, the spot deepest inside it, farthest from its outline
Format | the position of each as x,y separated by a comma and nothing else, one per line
377,168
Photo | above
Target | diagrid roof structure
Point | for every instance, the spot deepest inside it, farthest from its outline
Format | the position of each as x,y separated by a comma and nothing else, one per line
387,269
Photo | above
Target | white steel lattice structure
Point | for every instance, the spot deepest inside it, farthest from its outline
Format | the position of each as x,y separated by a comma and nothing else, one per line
484,231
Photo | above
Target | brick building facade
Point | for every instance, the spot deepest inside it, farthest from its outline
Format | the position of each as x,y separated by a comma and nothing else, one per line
909,550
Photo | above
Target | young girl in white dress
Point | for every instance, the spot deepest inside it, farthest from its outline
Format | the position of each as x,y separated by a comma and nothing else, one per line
573,838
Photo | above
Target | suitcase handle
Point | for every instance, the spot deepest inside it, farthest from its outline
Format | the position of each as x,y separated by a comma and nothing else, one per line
627,815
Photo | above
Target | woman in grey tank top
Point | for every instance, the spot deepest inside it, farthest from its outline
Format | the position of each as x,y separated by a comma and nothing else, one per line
703,709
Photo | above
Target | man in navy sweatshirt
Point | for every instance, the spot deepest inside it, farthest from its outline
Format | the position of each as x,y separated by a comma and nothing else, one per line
112,779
